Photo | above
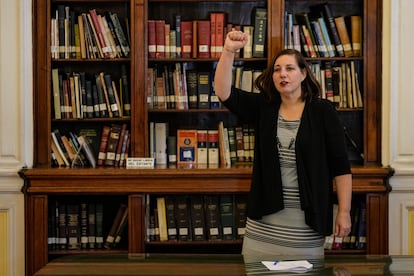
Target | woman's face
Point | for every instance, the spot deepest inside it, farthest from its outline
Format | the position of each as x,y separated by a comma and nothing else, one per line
287,76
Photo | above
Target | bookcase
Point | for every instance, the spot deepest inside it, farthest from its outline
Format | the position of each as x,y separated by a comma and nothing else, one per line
44,185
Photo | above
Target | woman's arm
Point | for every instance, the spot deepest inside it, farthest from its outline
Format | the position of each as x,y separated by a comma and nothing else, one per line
223,76
344,192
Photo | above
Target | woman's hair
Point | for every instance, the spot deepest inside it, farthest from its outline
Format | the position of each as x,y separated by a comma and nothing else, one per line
310,86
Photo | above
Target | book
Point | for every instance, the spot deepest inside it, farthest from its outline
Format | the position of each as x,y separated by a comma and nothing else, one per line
72,226
197,218
219,32
186,147
62,230
238,131
259,17
103,144
308,41
356,34
106,49
160,135
183,218
123,37
248,48
152,42
186,39
329,45
213,148
171,219
328,81
87,150
212,217
240,215
113,139
226,202
56,94
112,97
326,11
110,238
361,237
303,20
162,218
177,18
202,150
99,240
344,35
232,145
204,89
119,147
224,147
57,140
172,150
91,226
160,38
192,88
203,41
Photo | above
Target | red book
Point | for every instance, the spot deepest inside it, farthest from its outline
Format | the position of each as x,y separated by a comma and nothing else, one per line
99,33
152,42
160,38
203,41
220,33
103,144
186,39
213,44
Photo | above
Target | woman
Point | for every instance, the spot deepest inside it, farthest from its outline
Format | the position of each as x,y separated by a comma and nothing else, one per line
299,150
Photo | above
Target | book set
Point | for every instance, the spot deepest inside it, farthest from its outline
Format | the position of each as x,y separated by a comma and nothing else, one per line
320,33
182,86
85,226
204,37
196,217
339,82
357,238
108,146
78,95
88,34
201,148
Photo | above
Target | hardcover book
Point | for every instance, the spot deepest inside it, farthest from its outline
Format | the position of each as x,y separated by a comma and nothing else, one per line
259,17
186,147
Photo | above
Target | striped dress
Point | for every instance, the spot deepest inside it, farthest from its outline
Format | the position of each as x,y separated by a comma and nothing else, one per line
284,232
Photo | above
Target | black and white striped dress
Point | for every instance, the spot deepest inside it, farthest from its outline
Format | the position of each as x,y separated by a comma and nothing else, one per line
284,232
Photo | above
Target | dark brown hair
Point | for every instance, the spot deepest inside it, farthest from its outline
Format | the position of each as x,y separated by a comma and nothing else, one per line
310,86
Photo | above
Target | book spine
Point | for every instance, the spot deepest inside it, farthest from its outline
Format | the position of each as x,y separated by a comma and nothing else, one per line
260,30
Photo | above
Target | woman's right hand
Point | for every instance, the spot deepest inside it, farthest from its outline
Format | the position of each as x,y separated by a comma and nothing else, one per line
235,40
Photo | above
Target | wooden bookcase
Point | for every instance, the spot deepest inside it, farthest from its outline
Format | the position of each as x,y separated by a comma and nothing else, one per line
44,184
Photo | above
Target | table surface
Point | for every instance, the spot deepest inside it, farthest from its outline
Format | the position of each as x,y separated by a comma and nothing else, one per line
222,265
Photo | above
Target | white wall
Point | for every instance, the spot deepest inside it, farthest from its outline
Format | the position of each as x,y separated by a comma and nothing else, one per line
398,114
16,118
15,124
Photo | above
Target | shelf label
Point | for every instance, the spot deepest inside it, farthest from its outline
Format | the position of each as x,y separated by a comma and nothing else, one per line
140,163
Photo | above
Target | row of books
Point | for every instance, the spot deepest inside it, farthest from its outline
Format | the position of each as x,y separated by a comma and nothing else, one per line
88,35
222,146
319,33
196,217
204,38
181,86
339,82
107,147
79,96
77,226
357,237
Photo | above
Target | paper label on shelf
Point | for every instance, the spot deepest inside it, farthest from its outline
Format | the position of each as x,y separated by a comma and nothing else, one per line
140,163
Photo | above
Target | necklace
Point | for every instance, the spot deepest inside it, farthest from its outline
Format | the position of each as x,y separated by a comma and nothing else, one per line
287,131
